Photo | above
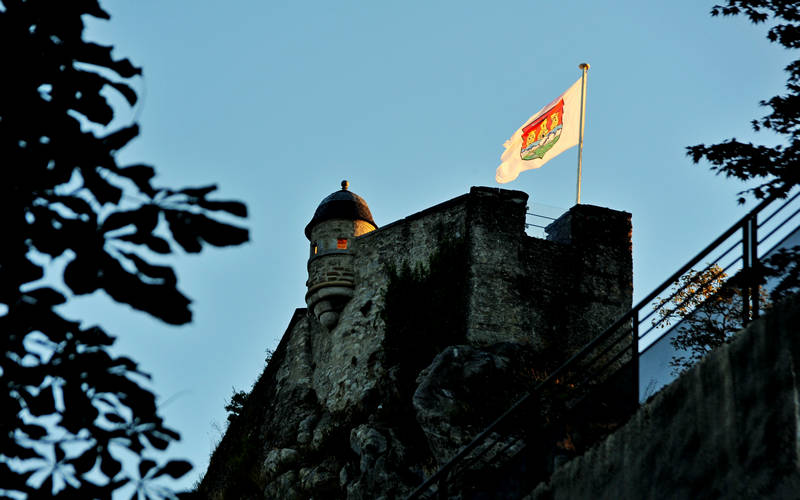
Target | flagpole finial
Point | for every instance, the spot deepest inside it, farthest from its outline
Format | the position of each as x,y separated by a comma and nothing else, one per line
584,66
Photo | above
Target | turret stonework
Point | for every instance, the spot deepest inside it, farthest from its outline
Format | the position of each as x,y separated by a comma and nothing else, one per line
341,217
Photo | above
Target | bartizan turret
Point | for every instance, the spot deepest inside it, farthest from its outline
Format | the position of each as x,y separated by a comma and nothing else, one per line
340,217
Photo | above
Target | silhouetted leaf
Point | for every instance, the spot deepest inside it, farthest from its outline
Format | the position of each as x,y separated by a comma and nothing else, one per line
84,462
95,336
114,418
160,300
119,138
154,243
77,205
81,275
89,101
145,466
214,232
175,469
33,431
232,207
109,465
221,234
141,176
101,189
41,404
46,297
182,232
198,192
127,92
156,441
145,218
162,273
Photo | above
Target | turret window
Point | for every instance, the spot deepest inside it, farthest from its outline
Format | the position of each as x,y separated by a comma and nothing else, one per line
341,244
314,249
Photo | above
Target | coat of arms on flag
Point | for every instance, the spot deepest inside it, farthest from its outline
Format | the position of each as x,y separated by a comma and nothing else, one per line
539,136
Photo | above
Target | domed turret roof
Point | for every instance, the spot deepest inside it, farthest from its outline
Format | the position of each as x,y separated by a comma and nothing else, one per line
342,204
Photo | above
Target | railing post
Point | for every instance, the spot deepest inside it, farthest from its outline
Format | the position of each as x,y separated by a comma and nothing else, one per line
755,283
635,357
745,289
443,487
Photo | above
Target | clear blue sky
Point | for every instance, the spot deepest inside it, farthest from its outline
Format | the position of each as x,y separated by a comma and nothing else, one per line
279,101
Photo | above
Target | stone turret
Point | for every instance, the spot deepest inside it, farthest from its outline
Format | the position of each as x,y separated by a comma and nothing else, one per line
340,217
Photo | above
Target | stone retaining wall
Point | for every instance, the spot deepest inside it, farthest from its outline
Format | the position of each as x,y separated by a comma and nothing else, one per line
726,429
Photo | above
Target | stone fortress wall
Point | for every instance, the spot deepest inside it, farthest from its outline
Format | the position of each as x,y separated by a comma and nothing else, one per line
338,411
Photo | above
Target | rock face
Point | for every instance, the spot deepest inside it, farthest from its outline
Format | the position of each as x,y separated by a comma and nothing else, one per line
453,312
464,389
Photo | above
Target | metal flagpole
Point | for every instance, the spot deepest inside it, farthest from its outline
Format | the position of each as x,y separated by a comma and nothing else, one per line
585,68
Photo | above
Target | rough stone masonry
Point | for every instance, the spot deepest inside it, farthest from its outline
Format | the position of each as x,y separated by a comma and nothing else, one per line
433,326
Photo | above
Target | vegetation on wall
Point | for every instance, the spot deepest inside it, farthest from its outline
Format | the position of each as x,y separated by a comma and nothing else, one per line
424,311
425,306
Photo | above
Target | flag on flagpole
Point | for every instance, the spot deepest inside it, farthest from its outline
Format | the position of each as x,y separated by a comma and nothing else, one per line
551,131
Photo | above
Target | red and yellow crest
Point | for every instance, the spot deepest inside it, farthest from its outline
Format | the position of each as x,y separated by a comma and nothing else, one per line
542,133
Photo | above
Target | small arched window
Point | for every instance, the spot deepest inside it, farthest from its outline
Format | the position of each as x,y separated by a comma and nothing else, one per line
341,243
314,249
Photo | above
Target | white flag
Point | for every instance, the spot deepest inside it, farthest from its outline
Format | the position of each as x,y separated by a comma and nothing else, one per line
551,131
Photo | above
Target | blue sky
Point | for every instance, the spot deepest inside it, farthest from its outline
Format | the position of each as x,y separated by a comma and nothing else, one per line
278,101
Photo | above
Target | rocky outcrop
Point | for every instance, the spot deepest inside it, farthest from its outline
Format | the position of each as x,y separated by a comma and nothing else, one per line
465,389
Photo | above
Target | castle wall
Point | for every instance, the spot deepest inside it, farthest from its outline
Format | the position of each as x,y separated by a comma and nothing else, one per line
555,294
597,267
332,414
497,310
726,429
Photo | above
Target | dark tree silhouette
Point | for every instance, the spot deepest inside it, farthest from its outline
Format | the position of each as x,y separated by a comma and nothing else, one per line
776,167
70,411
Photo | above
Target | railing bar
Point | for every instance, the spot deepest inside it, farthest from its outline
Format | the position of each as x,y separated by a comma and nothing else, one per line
475,441
599,371
607,348
779,226
535,225
778,209
542,216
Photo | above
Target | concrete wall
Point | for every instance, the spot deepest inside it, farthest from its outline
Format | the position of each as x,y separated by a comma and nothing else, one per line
726,429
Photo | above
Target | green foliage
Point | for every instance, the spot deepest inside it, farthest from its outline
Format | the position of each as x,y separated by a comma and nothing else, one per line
775,167
236,404
70,410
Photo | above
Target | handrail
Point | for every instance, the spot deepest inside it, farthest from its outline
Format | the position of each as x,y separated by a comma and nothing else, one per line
748,224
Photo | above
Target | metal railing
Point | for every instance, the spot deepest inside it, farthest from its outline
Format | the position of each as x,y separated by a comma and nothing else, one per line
769,226
539,217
